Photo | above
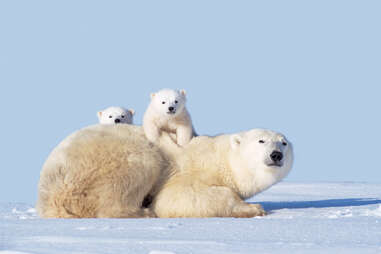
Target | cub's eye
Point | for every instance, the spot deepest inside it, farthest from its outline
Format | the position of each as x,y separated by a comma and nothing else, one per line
284,143
122,116
176,102
261,141
109,116
163,102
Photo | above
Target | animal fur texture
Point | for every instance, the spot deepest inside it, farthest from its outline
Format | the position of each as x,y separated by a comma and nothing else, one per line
107,170
100,171
167,113
216,174
116,115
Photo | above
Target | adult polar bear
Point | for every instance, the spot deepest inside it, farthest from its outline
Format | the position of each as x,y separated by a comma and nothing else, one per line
107,170
100,171
216,174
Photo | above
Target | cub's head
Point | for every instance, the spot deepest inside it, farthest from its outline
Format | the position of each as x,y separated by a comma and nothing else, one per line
116,115
266,155
168,102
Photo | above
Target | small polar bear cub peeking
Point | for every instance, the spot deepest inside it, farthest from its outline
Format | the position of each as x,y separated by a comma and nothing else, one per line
167,112
116,115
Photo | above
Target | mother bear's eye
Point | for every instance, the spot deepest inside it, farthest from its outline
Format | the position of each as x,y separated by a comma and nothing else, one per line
261,141
176,102
163,102
109,116
284,143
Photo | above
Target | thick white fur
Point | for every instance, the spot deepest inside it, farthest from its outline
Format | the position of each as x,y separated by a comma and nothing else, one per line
113,115
158,118
100,171
216,174
107,170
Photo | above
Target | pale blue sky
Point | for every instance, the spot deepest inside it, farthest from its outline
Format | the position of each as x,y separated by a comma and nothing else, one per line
309,69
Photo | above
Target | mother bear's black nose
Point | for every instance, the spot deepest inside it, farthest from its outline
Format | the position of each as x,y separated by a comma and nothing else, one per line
276,156
171,109
117,120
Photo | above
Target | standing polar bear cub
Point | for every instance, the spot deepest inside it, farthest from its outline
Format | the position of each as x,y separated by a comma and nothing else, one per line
216,174
116,115
167,113
107,170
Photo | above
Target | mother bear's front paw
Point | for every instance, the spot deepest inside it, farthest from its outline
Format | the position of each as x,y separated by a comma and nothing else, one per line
246,210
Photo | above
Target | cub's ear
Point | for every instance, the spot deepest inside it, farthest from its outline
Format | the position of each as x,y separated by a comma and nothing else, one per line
235,141
99,114
183,92
132,111
152,95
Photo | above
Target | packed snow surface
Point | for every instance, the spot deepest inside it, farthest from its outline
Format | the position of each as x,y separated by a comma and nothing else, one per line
303,218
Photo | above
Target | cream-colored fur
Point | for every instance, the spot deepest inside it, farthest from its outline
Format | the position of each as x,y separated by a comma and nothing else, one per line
107,170
158,118
100,171
215,174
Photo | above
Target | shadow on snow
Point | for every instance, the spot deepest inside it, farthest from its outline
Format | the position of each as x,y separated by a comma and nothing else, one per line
268,206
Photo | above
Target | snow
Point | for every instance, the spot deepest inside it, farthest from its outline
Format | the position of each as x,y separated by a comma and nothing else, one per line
303,218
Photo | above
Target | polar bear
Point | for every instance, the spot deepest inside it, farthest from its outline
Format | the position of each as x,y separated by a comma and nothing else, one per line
167,113
115,115
107,170
102,171
216,174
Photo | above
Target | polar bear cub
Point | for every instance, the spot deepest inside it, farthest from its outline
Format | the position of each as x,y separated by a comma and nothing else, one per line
115,115
167,112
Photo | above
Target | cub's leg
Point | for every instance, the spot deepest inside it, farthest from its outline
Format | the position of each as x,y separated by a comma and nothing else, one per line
184,134
151,131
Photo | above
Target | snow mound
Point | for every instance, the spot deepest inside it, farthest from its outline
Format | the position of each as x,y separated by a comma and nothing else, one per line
17,211
374,212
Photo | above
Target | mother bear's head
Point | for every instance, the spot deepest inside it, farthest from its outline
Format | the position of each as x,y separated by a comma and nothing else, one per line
259,158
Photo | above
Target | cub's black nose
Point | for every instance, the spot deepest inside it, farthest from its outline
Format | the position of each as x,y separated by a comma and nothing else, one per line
171,109
117,120
276,156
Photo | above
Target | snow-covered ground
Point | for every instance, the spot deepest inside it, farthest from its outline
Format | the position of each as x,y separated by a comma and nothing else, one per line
303,218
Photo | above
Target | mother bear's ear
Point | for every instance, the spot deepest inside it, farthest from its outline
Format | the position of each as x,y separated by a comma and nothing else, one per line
235,141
